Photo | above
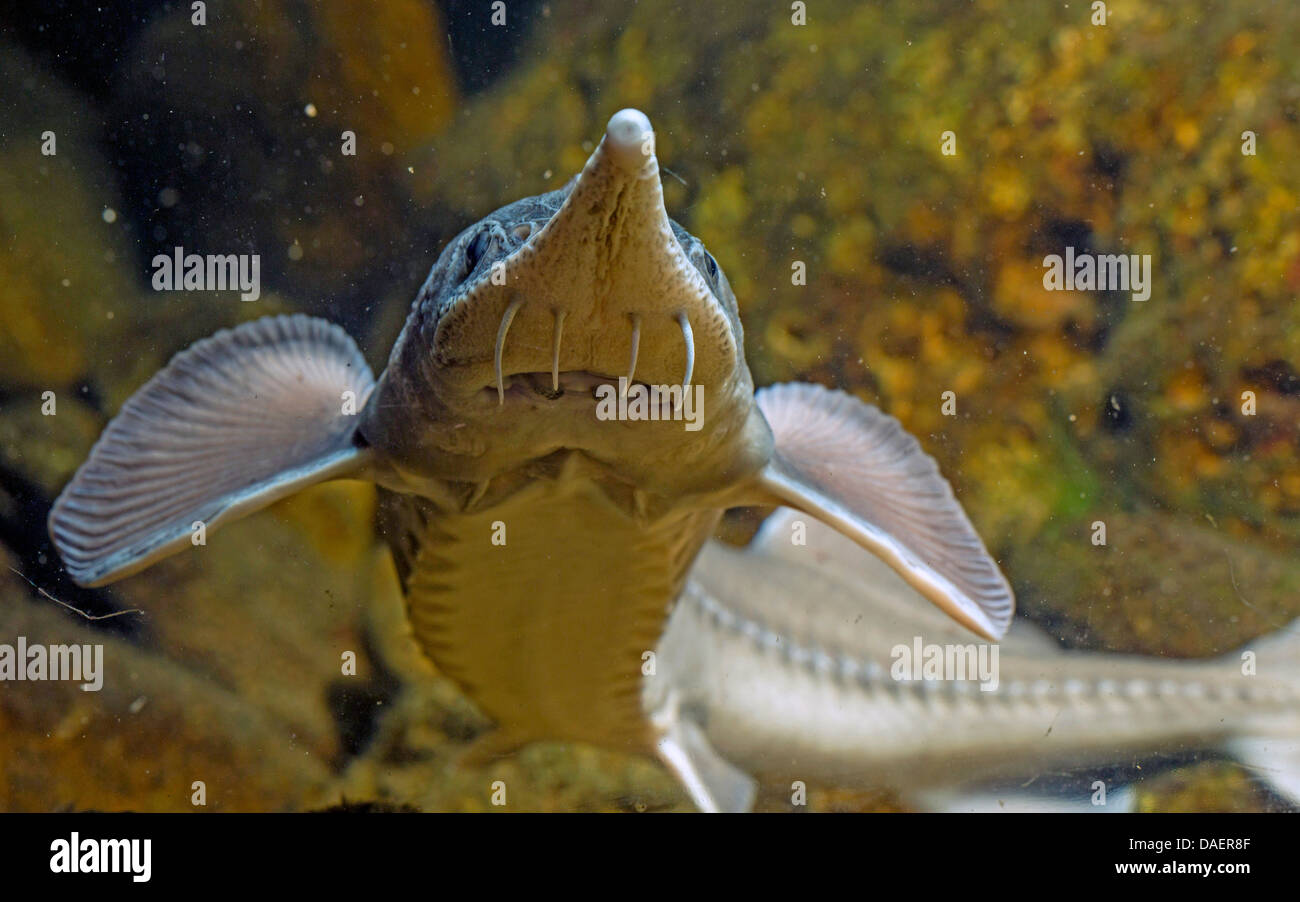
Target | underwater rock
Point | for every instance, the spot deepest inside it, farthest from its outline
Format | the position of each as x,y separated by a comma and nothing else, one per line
1209,786
1162,584
416,758
46,449
139,743
240,655
261,611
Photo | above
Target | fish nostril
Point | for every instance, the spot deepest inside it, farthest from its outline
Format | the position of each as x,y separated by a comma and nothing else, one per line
522,231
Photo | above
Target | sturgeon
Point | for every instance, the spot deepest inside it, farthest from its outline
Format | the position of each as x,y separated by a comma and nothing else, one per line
790,658
541,545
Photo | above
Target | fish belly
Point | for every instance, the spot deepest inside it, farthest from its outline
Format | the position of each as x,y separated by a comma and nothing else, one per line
543,607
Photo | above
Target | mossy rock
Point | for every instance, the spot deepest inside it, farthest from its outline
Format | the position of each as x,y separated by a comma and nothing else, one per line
140,743
1161,584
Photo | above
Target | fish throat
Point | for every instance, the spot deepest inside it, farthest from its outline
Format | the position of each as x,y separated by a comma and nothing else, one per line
543,606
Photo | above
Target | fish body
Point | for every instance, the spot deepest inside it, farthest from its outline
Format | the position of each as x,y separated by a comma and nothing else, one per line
803,662
547,648
541,531
599,519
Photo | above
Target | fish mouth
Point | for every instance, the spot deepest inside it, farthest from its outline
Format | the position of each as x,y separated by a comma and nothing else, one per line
542,388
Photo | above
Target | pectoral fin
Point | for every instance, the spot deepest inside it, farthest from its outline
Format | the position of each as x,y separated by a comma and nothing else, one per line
856,469
231,424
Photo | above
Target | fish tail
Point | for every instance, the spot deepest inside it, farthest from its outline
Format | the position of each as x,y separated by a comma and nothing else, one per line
1272,749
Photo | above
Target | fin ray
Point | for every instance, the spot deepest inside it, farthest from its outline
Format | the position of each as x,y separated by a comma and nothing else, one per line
855,468
230,425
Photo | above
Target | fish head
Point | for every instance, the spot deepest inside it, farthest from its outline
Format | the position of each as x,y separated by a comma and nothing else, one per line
535,313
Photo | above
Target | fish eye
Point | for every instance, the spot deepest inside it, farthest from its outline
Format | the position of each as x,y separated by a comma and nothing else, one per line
476,250
711,265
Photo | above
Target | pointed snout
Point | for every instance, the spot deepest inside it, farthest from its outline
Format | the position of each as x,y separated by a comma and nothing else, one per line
614,268
604,286
629,141
615,210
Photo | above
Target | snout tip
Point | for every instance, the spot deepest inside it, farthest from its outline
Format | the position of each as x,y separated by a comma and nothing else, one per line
629,139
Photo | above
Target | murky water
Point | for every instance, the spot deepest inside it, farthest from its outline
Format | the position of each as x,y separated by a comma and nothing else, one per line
1063,252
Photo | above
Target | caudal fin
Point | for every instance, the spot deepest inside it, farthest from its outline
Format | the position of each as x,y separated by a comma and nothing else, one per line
230,425
1274,756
